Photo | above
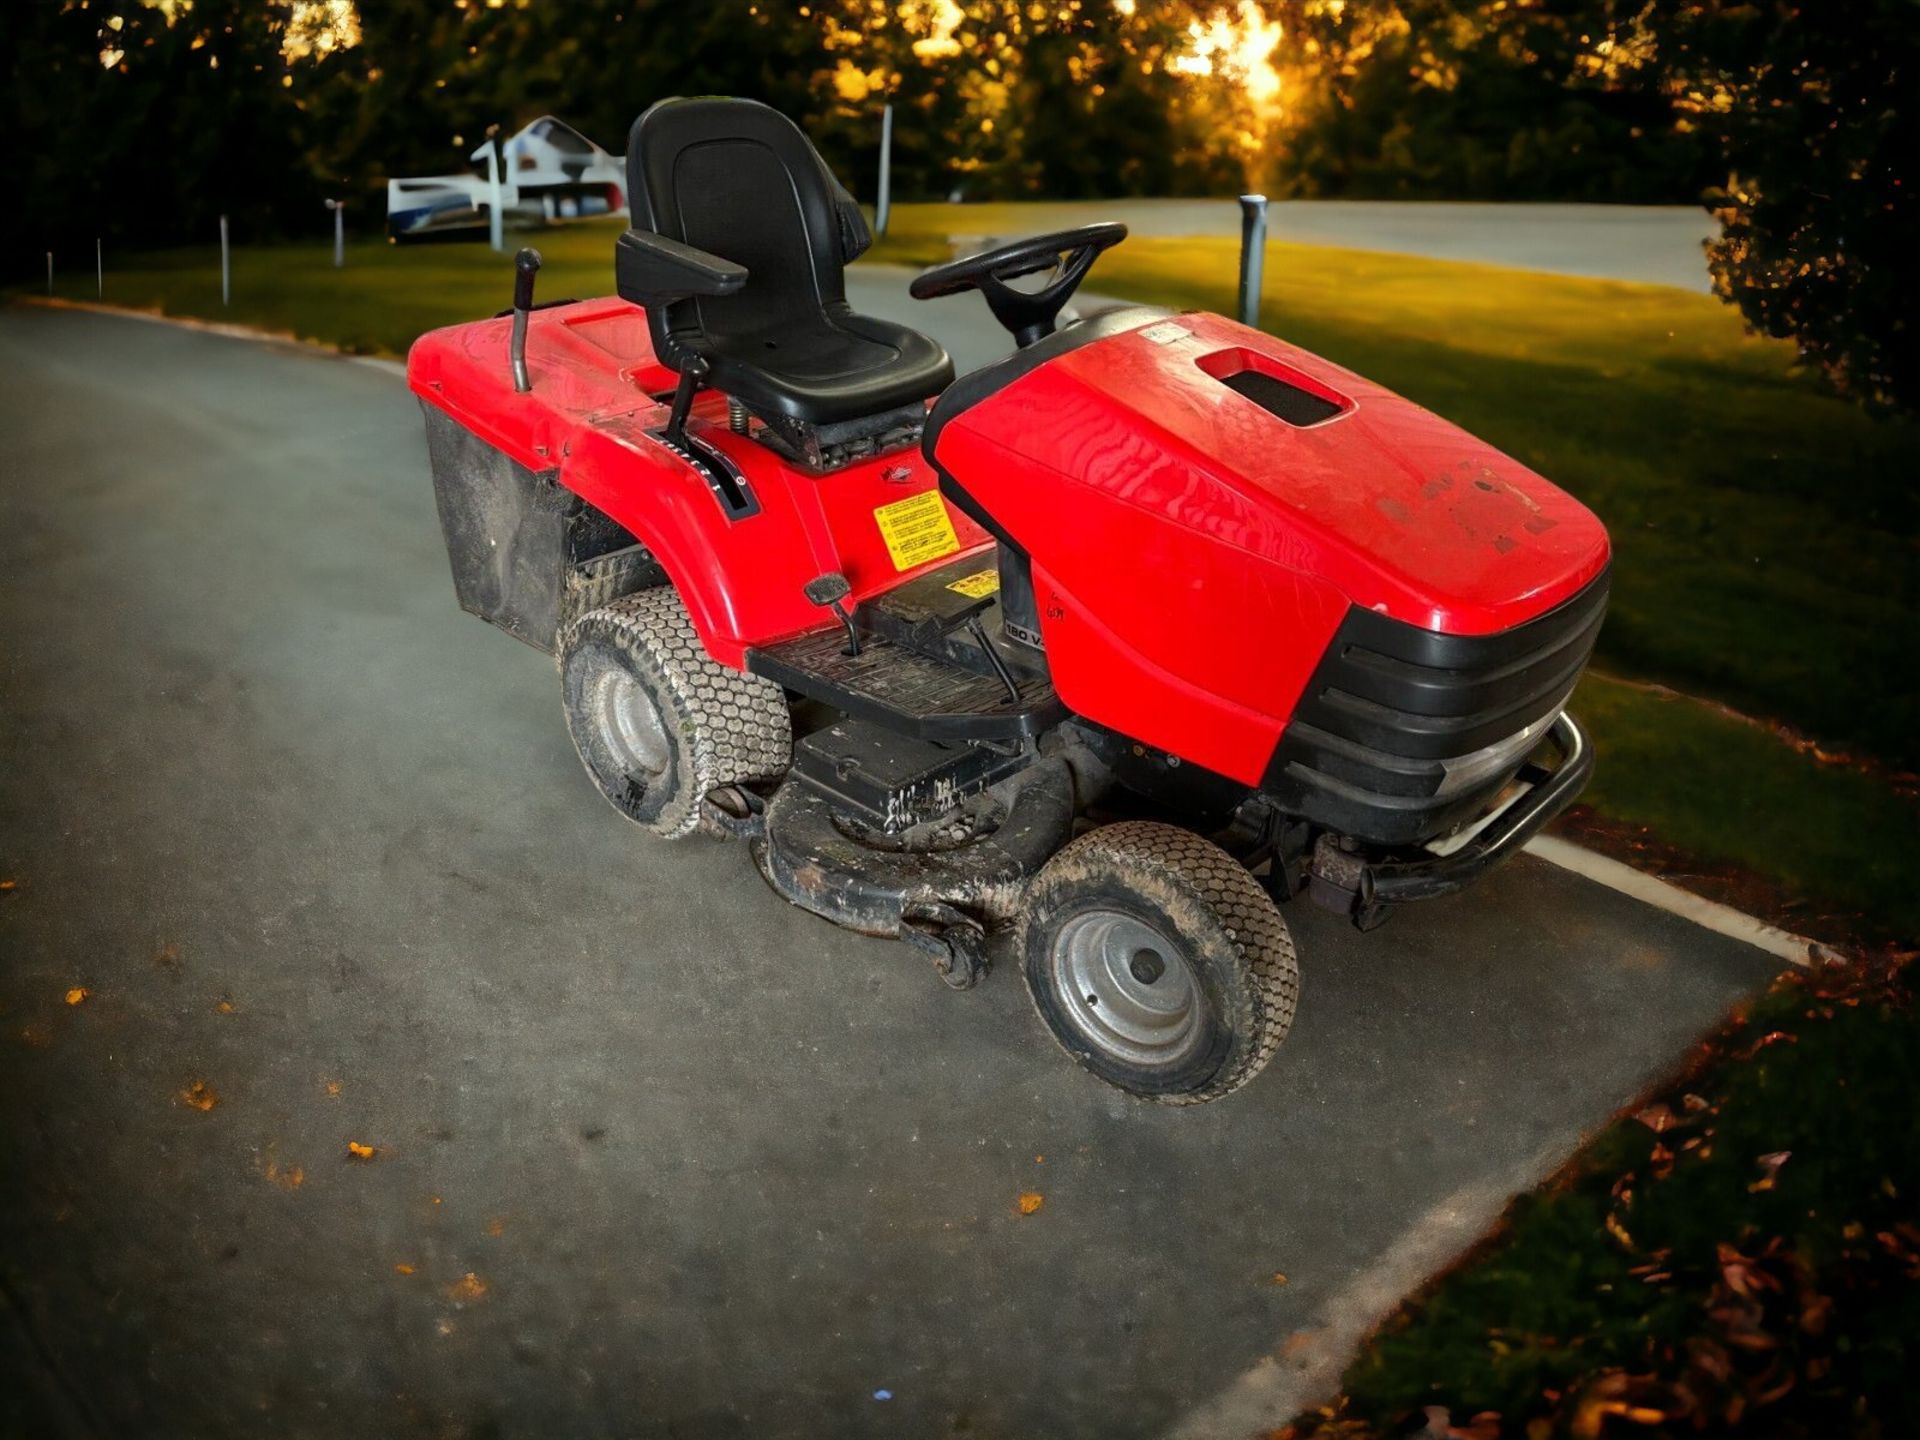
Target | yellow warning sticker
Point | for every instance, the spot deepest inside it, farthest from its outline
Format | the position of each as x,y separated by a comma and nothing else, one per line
917,529
981,582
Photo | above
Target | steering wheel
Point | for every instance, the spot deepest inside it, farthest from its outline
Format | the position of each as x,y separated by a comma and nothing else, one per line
1029,314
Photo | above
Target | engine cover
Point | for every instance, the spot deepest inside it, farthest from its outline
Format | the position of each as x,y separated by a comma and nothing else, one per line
1203,506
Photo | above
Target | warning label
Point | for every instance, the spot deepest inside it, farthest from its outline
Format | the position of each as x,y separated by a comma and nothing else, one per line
917,529
981,582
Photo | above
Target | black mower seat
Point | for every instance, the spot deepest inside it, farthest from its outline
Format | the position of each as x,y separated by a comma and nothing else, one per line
720,187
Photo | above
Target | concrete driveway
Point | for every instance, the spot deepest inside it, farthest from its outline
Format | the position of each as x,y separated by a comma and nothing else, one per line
654,1155
1650,244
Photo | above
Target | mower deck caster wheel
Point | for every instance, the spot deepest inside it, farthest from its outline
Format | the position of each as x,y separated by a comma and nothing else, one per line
659,724
956,944
1158,962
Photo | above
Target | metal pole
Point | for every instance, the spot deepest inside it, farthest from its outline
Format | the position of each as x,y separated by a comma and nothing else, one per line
883,207
99,270
226,265
49,274
493,207
1253,251
339,209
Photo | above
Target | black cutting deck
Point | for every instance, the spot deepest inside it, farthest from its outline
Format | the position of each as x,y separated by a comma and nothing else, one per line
908,692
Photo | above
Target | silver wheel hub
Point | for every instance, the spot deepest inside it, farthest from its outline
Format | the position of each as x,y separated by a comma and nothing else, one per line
1126,988
630,723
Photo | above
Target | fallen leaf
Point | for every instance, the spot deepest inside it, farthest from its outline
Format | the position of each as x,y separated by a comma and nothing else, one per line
78,995
357,1151
6,885
468,1289
1619,1231
200,1095
224,1006
333,1087
1031,1201
403,1268
291,1177
1279,1277
1772,1037
1657,1117
497,1226
168,959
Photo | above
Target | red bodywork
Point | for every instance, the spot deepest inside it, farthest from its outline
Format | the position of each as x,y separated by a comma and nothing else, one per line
1192,553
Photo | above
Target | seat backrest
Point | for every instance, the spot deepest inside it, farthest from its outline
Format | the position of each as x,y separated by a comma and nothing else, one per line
738,179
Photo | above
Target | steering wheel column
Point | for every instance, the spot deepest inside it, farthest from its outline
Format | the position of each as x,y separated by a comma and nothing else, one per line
1029,314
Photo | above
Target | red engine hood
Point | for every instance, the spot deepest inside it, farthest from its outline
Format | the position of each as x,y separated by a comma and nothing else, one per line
1402,511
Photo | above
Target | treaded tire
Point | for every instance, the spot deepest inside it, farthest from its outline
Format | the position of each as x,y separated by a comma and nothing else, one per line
713,726
1243,978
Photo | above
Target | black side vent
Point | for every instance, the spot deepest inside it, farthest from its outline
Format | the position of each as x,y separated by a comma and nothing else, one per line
1277,397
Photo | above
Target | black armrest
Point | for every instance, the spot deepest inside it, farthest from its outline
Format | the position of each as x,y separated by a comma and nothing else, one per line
650,269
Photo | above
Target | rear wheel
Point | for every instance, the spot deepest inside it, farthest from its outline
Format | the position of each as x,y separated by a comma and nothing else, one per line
1158,962
658,722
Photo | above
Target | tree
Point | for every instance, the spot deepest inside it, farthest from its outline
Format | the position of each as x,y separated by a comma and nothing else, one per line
1813,107
1491,99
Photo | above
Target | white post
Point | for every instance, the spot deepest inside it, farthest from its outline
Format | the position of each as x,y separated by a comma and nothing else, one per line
493,207
883,206
226,265
99,270
339,209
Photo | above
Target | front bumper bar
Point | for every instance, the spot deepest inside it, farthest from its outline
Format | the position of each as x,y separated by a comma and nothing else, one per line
1365,888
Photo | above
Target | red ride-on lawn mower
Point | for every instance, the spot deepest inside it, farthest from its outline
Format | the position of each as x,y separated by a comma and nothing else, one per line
1149,568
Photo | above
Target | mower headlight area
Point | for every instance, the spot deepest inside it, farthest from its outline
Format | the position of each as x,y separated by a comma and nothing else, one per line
1465,772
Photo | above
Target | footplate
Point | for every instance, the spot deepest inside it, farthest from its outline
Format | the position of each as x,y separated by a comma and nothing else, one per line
894,782
908,692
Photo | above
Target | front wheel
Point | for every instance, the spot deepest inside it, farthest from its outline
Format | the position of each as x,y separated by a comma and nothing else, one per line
1158,962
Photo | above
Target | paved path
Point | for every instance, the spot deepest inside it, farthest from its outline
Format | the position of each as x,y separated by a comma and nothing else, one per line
658,1156
1653,244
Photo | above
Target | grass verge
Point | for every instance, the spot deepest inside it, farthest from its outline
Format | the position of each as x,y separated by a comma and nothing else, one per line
1738,1255
1765,532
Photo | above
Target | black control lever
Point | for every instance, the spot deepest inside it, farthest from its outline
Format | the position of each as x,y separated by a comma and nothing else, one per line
693,370
525,266
993,657
832,590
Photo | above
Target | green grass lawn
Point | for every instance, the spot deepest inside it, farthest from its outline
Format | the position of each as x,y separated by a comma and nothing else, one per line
1740,1257
1765,533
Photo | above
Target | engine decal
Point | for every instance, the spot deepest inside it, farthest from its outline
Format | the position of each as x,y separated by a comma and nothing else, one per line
917,529
979,583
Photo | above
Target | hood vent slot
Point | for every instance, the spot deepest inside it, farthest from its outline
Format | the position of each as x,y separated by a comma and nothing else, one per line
1288,402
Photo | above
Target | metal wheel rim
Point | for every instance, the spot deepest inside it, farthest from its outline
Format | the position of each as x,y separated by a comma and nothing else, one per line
1099,974
630,723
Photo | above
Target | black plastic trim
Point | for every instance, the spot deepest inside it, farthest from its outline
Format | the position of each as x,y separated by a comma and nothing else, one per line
1389,703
